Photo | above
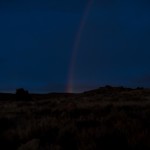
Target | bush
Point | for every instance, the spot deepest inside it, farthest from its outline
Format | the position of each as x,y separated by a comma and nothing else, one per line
22,94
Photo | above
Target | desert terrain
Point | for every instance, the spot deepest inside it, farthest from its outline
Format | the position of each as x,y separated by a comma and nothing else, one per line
100,119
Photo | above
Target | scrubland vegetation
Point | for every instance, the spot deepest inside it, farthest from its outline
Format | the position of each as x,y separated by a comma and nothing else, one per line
108,117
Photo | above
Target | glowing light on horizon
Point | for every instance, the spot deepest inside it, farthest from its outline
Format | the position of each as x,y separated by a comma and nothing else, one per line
76,46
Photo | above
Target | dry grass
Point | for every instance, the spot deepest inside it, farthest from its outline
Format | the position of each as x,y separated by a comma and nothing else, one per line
94,120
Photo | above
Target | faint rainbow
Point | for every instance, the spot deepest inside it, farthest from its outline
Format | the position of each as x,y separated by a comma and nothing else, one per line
76,46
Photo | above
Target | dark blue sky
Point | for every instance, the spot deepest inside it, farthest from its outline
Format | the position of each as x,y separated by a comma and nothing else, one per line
37,37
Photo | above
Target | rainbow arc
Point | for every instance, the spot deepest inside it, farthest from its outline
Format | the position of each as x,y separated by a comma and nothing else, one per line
76,46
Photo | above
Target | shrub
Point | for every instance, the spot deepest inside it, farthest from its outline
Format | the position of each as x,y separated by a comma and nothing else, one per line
22,94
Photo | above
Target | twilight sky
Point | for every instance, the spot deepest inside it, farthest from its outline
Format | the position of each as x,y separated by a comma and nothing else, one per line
37,39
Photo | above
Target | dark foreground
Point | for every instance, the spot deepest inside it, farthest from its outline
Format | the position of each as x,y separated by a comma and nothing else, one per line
106,118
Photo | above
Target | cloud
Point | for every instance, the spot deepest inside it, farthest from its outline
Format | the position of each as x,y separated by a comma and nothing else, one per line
143,80
54,5
2,60
71,5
